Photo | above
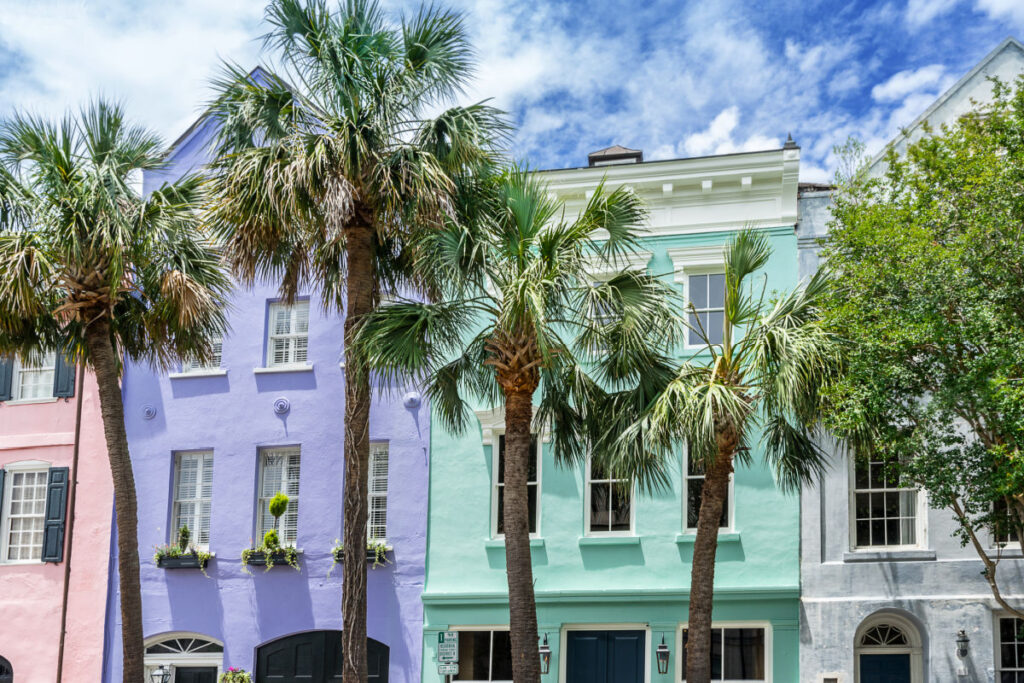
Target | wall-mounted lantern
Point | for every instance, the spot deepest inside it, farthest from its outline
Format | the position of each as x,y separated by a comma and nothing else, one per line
545,656
962,644
161,674
663,655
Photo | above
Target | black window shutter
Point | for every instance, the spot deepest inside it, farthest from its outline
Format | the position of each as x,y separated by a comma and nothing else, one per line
6,374
56,507
63,378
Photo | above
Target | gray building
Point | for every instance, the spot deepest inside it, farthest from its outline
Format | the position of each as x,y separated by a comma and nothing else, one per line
883,601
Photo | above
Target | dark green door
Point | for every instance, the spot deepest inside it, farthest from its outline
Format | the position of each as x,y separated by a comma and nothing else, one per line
885,668
195,674
315,657
605,657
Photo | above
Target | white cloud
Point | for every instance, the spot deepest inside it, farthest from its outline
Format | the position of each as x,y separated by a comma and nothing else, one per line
717,138
1004,9
906,82
920,12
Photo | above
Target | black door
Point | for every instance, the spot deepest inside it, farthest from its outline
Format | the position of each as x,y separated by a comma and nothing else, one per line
195,674
605,657
314,657
885,668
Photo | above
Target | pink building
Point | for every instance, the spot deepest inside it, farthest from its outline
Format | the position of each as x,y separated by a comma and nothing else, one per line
37,453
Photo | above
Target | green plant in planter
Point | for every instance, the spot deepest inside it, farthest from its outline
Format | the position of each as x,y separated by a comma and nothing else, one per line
234,675
183,548
379,549
271,541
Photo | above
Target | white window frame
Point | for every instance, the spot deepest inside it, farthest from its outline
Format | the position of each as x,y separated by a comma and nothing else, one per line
769,647
270,336
18,368
22,466
687,261
478,628
262,502
172,660
563,642
376,449
730,504
587,481
194,367
175,515
921,516
997,642
498,433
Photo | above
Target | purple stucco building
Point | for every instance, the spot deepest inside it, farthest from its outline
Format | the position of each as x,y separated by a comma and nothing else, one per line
209,444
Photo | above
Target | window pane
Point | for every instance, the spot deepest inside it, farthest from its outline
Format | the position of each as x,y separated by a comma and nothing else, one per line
531,497
279,472
26,515
716,290
693,494
501,657
715,326
599,506
619,520
699,291
885,511
744,654
474,655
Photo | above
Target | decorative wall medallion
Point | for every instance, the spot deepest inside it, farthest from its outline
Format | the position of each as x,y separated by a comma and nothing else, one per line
411,400
148,411
282,405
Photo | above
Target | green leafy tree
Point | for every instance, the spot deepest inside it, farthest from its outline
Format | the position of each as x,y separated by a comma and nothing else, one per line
324,167
765,377
90,268
929,276
517,312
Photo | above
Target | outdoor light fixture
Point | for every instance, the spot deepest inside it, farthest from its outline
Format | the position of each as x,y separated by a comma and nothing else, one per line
662,653
545,656
161,674
962,641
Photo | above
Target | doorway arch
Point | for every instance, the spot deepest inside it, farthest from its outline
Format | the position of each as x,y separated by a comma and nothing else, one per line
6,671
314,657
888,649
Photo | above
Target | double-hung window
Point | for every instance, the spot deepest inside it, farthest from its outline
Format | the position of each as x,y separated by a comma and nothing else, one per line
1011,650
193,493
288,334
737,654
33,378
195,366
24,514
885,509
706,294
610,502
693,484
279,471
485,656
377,525
532,487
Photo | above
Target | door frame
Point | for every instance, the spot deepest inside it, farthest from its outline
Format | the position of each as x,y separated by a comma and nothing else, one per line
769,644
212,659
914,649
563,642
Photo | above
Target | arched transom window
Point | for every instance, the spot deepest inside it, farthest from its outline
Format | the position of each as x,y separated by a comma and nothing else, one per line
184,646
188,656
883,635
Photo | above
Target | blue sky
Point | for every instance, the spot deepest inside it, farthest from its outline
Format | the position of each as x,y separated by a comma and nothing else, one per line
675,78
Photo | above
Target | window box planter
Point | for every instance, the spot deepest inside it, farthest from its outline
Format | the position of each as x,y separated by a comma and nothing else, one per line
376,556
280,556
189,561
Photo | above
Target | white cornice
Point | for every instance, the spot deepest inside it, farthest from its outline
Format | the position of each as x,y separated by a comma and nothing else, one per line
493,422
636,260
688,260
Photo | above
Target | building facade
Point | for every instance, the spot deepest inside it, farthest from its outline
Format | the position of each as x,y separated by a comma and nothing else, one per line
612,573
212,444
886,588
44,448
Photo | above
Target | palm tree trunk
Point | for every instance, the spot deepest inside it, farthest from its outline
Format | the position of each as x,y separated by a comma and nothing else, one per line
104,364
516,511
702,571
359,302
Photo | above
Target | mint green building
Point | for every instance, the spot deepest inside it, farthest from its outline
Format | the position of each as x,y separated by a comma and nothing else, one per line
612,575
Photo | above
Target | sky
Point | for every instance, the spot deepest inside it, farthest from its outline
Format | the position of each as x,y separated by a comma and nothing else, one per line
673,78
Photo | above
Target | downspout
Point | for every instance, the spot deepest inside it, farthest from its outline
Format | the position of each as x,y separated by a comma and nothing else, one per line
71,519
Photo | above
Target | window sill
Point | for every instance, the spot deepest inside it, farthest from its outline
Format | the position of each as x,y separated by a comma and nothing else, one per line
30,401
198,373
909,555
500,543
609,540
24,563
283,369
723,537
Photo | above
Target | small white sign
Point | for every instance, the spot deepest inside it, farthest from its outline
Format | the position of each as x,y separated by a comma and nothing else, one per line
448,647
451,669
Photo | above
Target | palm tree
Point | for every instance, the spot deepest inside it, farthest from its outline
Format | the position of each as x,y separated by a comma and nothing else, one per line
91,269
517,310
767,374
324,168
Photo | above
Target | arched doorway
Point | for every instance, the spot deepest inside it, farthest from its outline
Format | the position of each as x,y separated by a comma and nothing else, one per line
6,671
888,650
192,657
315,657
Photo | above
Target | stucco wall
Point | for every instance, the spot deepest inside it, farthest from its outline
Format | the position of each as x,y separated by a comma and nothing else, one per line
640,580
31,606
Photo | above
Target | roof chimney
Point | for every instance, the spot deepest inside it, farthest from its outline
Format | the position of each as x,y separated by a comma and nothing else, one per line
616,154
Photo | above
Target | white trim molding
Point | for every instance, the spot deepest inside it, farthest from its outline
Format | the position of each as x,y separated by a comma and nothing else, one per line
492,423
688,261
601,269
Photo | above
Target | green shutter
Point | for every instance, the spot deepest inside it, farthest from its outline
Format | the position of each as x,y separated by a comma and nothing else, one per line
63,378
56,508
6,375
